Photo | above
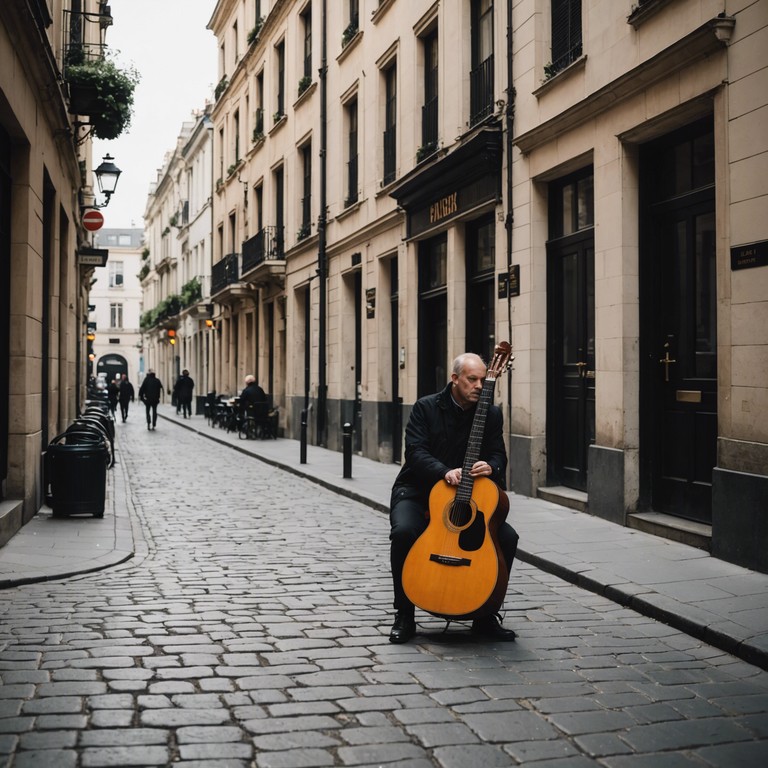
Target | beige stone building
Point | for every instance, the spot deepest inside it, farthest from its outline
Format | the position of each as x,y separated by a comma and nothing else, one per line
46,181
397,182
177,266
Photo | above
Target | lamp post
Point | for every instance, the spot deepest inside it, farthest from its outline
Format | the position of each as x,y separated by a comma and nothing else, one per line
107,176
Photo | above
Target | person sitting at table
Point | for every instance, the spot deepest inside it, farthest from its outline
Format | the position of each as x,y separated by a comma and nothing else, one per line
252,393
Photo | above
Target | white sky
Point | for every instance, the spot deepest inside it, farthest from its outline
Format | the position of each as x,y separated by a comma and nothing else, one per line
168,43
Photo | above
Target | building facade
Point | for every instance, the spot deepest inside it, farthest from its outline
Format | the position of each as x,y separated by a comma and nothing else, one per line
115,306
400,182
176,272
45,180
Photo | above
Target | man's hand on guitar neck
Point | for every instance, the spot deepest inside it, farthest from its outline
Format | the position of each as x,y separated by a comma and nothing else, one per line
479,469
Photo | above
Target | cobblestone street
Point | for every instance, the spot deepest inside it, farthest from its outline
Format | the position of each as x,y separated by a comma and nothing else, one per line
251,627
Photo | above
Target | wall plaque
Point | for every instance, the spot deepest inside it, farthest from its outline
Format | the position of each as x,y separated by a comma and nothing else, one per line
751,255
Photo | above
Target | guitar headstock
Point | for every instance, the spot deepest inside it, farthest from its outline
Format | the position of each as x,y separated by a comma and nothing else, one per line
501,361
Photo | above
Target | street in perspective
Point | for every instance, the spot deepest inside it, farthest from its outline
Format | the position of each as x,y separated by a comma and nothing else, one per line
248,626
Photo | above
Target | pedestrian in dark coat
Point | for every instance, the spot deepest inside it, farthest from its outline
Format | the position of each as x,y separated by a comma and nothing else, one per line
113,392
125,396
149,393
182,389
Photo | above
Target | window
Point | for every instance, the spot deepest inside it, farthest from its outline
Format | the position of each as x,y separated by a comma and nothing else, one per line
115,274
279,178
236,136
481,76
235,42
306,200
353,24
306,20
115,315
280,53
566,34
572,204
429,110
258,118
351,110
390,123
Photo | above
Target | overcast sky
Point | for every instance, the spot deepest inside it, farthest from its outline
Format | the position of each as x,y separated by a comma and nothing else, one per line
175,54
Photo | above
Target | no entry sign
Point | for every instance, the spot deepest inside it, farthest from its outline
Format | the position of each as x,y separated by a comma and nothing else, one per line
93,220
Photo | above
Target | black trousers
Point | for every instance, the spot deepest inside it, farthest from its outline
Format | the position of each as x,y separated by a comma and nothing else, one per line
408,521
124,408
151,413
186,406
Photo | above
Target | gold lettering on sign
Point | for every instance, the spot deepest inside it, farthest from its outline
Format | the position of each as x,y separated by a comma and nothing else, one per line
445,206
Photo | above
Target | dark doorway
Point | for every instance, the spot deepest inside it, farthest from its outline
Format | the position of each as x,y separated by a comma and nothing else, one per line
357,425
679,323
571,330
114,366
433,373
481,294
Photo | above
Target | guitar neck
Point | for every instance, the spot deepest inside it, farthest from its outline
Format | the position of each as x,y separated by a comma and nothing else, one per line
464,491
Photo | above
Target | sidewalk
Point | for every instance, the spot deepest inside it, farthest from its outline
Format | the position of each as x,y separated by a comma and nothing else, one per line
719,603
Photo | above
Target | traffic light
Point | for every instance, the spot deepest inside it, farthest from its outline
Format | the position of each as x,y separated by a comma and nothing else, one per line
172,336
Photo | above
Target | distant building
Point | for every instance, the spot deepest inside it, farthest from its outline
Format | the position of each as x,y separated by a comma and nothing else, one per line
116,300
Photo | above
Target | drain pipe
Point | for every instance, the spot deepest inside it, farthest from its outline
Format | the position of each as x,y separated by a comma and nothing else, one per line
321,255
509,120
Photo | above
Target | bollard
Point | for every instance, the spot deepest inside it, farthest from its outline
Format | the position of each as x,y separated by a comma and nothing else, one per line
347,431
303,441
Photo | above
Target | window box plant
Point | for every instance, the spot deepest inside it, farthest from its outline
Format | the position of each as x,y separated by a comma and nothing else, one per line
101,90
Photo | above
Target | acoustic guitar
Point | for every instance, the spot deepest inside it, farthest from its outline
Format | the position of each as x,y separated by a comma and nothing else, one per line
455,569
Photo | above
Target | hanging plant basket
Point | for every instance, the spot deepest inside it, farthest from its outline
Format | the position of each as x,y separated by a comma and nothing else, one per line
103,92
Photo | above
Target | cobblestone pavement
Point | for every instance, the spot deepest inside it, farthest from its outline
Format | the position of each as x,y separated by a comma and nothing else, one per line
251,630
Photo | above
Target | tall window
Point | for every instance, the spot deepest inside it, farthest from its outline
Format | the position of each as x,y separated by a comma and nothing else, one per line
481,76
279,178
306,20
258,126
353,22
236,136
115,315
280,53
390,123
115,274
306,200
429,110
566,33
351,109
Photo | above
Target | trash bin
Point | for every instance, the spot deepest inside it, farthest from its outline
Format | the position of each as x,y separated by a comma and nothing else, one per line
76,474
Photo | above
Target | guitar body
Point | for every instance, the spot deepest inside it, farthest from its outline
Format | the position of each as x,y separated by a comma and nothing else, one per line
455,569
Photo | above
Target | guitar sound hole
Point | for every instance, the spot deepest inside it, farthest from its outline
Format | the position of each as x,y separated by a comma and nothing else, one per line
461,513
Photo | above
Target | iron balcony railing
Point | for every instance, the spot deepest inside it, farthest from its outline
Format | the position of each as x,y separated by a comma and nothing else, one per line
224,273
267,244
481,91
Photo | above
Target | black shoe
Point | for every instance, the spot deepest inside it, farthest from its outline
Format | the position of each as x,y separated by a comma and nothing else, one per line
149,426
403,629
490,627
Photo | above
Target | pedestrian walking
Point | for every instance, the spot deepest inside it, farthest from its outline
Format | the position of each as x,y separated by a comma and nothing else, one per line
113,392
125,396
436,442
149,393
182,391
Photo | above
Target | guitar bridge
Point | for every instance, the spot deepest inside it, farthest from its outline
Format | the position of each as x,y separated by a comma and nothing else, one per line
450,560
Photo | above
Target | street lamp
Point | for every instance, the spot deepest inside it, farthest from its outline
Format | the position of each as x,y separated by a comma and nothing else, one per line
107,175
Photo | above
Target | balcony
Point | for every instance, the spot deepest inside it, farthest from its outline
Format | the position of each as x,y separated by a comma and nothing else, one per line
264,257
225,279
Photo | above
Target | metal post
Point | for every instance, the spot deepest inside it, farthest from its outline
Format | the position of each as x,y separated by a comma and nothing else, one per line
303,443
347,431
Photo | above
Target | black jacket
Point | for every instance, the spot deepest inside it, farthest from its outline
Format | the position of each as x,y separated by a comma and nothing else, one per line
183,388
252,394
150,389
436,441
126,391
